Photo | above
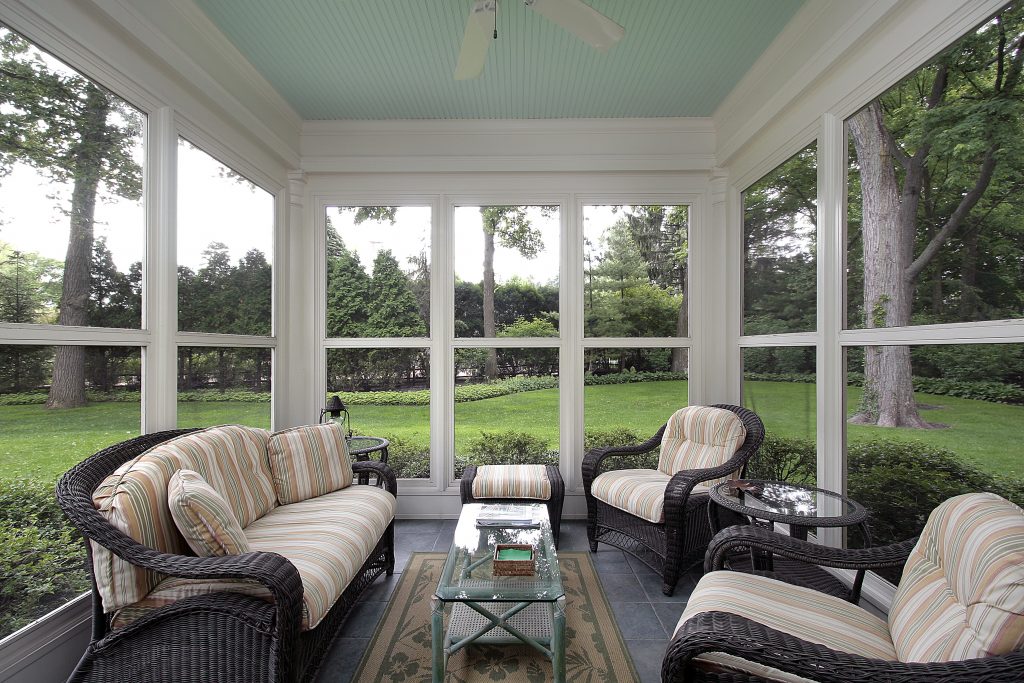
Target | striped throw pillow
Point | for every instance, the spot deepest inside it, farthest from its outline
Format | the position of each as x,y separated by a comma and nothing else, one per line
309,461
203,517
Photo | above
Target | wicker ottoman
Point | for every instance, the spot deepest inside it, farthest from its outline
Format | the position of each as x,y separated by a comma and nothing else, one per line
516,484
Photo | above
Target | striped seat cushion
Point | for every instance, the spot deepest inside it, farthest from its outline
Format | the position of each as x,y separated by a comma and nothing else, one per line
512,481
638,492
697,437
327,539
962,591
309,461
232,459
203,517
801,612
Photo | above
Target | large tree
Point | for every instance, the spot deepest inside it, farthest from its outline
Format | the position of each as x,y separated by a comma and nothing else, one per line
76,133
963,112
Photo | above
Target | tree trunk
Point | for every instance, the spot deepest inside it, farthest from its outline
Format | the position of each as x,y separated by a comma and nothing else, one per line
969,303
889,221
68,387
491,365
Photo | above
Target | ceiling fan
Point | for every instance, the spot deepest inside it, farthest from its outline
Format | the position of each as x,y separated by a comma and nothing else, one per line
574,16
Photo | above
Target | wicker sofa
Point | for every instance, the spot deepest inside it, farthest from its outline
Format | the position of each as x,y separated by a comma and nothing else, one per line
162,613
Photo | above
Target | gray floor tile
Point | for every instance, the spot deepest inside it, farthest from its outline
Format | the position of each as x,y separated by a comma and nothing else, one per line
418,526
637,621
669,613
608,561
342,661
362,622
414,542
381,589
647,657
622,588
653,583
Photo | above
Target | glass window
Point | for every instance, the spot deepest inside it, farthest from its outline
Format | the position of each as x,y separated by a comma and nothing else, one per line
635,271
506,270
378,271
387,393
968,401
72,222
223,385
780,248
509,420
779,384
935,207
628,394
225,248
42,559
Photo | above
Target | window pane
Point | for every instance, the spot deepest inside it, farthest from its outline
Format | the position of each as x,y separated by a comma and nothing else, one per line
779,384
387,393
42,560
628,394
635,271
780,216
967,405
506,271
935,207
72,216
510,420
220,385
225,248
378,271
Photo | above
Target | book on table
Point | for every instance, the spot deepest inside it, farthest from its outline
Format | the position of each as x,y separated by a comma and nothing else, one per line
506,515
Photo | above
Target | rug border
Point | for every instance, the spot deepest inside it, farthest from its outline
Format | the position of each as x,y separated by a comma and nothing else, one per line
441,555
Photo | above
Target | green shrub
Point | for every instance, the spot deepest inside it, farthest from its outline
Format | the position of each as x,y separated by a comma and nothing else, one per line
623,436
509,448
42,558
408,458
784,459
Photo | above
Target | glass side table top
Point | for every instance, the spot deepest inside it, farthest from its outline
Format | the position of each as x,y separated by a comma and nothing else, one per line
785,502
362,445
467,575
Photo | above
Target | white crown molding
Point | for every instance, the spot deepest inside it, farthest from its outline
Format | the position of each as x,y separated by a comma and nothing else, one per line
166,27
462,127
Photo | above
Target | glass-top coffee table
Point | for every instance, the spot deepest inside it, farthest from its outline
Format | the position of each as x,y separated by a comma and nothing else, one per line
499,609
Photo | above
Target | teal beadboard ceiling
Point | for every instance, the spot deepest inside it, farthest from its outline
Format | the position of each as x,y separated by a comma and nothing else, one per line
394,59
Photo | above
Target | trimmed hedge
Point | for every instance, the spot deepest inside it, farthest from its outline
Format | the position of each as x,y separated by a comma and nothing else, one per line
993,392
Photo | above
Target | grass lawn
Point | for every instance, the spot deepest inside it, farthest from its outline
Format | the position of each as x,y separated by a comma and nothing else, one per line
36,442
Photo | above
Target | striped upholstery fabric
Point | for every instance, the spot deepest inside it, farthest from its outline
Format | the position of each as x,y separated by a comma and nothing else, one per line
801,612
326,538
962,591
638,492
697,437
203,517
309,461
512,481
232,459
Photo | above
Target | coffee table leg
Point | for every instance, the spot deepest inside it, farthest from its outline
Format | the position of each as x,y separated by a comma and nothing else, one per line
558,640
437,637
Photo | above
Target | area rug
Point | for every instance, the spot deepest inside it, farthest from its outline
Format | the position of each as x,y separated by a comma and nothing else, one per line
400,649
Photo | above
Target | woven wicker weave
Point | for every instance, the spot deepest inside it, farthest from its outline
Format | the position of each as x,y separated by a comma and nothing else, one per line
223,637
755,642
680,540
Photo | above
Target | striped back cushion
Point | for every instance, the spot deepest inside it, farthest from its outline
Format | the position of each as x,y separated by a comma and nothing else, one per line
233,459
309,461
512,481
203,517
962,591
697,437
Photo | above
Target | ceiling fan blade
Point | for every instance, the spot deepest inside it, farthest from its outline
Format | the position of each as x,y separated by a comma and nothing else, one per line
479,29
580,19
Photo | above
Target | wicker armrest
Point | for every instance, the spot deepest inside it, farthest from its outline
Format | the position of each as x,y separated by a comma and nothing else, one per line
593,458
755,642
385,475
727,540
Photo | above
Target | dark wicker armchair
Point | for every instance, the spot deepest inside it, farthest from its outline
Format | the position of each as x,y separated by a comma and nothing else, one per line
741,627
683,532
216,637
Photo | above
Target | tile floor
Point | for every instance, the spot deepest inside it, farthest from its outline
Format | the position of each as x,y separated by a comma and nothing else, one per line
645,616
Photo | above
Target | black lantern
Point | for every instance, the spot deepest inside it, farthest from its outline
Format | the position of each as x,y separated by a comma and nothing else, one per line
333,411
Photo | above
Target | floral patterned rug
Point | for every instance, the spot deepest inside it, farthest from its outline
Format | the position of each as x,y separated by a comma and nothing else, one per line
400,649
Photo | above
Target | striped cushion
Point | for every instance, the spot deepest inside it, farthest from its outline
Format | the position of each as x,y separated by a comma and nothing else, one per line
309,461
697,437
327,539
232,459
638,492
512,481
962,591
203,517
801,612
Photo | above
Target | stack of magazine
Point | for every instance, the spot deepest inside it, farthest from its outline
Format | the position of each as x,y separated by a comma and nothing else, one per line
506,516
